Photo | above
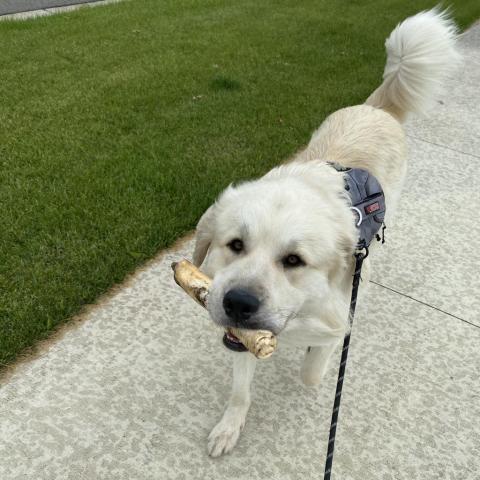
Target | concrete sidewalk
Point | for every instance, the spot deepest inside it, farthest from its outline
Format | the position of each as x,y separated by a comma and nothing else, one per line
133,391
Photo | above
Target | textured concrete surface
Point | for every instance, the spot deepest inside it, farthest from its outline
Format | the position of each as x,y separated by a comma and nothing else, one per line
133,391
432,251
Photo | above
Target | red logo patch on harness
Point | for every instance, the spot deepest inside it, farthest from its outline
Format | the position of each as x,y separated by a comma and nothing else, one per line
372,208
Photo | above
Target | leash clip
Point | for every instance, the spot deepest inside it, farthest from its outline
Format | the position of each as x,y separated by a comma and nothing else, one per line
361,252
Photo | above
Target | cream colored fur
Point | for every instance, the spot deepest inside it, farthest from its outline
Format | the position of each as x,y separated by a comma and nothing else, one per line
301,208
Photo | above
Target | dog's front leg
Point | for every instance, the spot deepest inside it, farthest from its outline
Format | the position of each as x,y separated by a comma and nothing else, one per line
225,434
315,363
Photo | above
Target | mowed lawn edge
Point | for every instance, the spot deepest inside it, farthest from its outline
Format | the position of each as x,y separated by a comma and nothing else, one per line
119,125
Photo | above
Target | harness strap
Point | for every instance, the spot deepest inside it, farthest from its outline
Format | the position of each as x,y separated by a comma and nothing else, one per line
359,258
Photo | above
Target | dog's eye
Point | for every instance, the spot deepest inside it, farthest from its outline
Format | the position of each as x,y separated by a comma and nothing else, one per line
292,260
236,245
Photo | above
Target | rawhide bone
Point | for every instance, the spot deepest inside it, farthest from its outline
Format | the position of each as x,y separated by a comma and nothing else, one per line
261,343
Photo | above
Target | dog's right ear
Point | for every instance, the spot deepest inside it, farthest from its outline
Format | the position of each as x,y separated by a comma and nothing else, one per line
204,236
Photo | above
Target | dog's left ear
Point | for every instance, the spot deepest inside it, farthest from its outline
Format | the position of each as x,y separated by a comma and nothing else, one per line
204,236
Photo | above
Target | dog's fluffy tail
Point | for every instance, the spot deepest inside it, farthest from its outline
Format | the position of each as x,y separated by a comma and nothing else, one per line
421,51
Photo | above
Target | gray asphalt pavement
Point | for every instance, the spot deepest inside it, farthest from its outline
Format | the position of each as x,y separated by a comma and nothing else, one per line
17,6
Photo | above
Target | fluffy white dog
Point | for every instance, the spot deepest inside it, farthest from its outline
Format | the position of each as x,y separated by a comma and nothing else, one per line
280,248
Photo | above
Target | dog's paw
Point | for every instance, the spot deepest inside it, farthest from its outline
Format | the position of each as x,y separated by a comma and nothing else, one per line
315,364
224,435
311,379
311,373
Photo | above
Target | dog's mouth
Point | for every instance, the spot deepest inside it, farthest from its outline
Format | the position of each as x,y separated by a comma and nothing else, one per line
233,343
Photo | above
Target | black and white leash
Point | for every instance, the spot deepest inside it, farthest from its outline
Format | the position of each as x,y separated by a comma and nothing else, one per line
368,202
360,256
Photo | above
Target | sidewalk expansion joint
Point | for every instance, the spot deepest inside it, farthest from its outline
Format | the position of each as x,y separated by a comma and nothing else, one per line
426,304
443,146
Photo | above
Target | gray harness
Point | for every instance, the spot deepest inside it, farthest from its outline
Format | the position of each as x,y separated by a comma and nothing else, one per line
368,202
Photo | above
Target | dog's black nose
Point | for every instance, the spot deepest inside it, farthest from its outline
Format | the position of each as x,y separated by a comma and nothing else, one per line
240,304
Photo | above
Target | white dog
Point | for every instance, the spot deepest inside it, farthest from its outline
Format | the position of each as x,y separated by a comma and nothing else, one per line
280,249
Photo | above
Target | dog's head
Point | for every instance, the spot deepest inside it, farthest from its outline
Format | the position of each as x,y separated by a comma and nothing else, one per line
275,246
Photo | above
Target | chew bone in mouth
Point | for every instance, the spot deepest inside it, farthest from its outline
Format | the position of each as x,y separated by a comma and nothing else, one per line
262,343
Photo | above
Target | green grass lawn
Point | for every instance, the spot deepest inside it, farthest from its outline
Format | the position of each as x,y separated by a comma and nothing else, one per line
119,125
